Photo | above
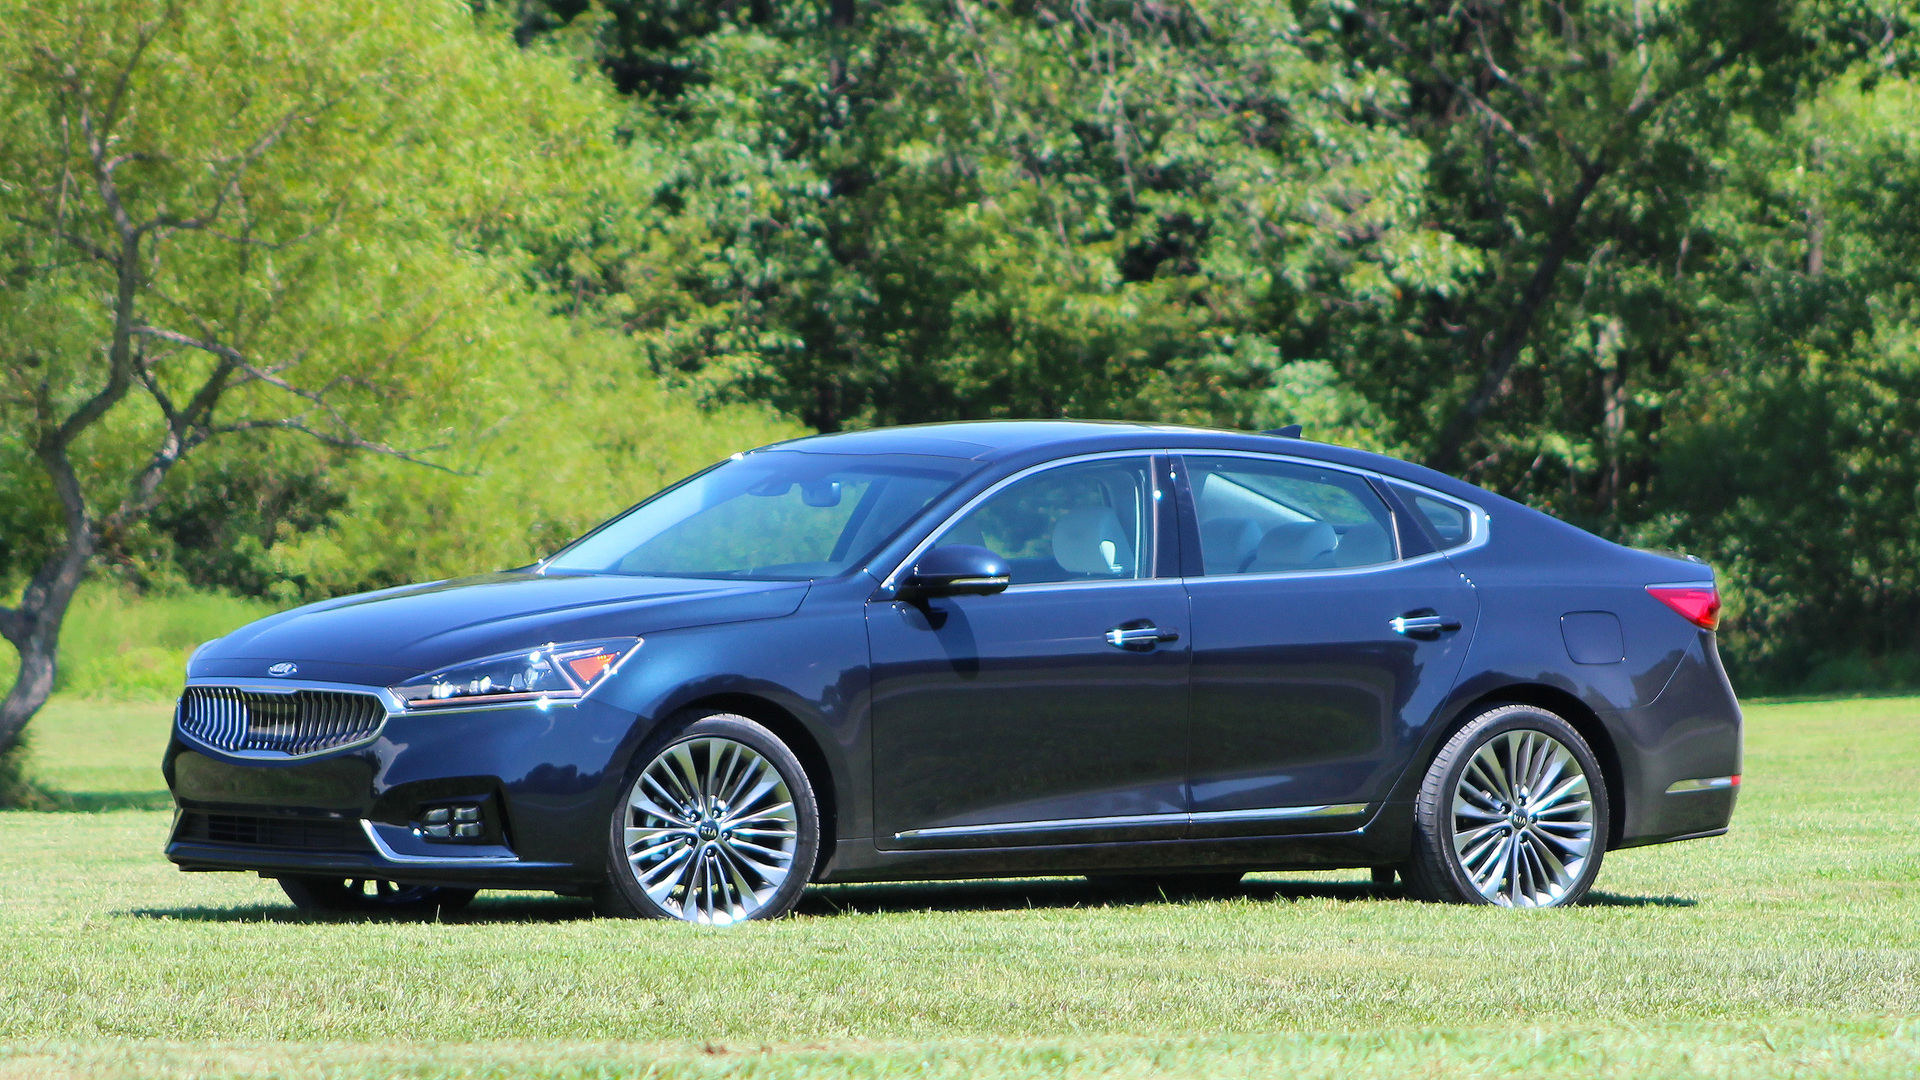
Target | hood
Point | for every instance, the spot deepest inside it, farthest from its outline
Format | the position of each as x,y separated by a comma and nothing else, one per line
382,638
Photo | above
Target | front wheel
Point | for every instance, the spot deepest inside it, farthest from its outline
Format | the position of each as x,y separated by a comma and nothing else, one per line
718,825
371,896
1513,812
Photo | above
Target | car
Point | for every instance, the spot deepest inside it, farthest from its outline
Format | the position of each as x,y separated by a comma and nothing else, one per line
985,649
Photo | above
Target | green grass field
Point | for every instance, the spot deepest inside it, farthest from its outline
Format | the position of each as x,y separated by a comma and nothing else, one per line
1790,948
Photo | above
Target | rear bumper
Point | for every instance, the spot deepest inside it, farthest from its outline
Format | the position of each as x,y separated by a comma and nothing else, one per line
1691,732
544,781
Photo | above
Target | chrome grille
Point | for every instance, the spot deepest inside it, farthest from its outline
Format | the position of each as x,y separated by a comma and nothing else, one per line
301,722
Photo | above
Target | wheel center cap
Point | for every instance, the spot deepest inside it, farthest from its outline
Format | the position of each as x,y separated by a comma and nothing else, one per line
709,830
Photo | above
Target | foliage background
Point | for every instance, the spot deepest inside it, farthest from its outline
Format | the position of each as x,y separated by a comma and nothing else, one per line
677,228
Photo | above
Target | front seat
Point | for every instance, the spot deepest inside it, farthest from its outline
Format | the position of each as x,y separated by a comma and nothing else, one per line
1092,541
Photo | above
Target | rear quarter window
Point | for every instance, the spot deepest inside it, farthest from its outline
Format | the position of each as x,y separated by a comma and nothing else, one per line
1451,523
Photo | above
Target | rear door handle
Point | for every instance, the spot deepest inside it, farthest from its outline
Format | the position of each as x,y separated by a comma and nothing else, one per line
1422,625
1140,636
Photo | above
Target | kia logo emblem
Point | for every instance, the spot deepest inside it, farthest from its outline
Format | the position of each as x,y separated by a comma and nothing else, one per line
284,667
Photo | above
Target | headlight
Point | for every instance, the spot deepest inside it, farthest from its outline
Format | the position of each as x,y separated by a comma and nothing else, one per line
548,673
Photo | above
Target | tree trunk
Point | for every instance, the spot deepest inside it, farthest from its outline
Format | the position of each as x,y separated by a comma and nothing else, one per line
1513,337
34,629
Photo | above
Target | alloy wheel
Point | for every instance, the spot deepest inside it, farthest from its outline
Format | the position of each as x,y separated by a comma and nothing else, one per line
1523,820
711,830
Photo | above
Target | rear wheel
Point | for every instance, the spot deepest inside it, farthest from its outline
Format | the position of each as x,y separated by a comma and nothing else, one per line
1513,812
718,825
371,896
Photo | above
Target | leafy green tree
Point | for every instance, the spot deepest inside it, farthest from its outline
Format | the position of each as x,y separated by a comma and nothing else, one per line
1789,456
224,220
1571,144
870,213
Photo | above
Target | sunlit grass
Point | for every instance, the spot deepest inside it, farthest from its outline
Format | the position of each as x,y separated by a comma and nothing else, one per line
1790,948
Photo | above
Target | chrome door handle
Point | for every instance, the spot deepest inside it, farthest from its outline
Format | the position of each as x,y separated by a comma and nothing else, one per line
1140,637
1412,625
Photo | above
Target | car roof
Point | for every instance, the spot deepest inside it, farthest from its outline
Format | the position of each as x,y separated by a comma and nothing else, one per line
1022,441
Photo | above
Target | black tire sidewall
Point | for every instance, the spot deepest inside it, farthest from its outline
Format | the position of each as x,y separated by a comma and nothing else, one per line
1435,872
622,894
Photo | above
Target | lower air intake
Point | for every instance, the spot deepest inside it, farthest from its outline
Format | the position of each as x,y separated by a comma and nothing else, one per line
243,830
302,722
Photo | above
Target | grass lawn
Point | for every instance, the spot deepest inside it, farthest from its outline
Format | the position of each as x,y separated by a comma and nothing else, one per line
1790,948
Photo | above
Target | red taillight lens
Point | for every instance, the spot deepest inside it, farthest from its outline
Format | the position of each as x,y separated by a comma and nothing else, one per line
1698,604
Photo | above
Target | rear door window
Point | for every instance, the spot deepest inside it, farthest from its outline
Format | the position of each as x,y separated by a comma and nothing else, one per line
1260,516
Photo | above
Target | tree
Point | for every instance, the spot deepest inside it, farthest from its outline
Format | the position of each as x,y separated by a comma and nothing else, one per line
1572,145
1789,454
220,218
943,209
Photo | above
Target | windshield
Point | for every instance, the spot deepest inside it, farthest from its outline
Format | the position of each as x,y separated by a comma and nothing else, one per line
769,515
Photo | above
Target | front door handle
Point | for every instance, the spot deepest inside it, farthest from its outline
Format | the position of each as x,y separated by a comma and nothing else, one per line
1422,625
1141,635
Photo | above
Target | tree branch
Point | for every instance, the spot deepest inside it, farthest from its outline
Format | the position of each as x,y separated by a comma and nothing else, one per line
1513,337
345,442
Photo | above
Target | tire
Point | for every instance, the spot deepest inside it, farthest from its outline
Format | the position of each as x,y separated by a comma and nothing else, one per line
371,896
717,823
1205,883
1483,831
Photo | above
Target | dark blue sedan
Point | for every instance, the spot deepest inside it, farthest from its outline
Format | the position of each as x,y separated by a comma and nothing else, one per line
973,650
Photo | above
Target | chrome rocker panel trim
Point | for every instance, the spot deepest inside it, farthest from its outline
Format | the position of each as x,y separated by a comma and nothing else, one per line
1204,817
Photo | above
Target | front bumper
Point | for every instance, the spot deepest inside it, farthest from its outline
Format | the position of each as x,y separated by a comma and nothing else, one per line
544,781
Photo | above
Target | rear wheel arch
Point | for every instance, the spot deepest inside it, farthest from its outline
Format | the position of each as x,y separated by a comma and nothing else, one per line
791,731
1569,708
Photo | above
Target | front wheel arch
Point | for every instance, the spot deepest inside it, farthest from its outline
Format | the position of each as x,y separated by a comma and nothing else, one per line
795,734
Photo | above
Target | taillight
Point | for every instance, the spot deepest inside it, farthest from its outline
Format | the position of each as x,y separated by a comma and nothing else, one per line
1698,604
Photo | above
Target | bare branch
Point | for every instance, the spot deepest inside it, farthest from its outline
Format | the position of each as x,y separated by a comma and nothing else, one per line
346,442
1475,101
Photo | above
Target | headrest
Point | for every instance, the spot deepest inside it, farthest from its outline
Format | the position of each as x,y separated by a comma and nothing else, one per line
1092,541
1226,543
1365,544
1295,545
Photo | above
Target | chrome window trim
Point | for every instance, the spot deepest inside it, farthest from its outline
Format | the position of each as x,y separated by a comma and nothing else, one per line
388,701
1202,817
890,583
1482,521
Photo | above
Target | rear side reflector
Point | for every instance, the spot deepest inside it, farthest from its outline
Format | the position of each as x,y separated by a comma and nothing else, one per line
1708,783
1698,604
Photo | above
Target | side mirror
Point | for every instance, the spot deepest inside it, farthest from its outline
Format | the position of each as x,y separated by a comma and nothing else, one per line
957,570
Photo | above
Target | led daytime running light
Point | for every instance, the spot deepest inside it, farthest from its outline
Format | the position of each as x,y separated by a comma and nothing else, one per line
547,674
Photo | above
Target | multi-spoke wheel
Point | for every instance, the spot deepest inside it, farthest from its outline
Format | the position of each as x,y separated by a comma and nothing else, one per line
1513,812
371,896
718,825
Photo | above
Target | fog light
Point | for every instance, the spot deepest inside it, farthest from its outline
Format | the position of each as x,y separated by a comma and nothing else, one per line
457,822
